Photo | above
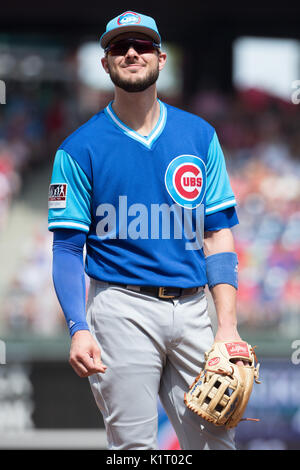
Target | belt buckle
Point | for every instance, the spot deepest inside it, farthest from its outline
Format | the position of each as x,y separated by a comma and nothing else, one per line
162,295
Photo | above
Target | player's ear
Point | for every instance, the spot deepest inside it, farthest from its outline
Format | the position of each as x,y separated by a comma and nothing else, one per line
162,58
105,64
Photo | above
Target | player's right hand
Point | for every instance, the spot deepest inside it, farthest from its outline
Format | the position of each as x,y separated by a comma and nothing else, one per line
85,355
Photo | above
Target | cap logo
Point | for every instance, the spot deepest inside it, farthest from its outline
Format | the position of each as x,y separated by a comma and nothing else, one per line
128,18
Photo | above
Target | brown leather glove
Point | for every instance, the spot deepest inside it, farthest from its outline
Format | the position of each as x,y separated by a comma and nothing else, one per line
222,390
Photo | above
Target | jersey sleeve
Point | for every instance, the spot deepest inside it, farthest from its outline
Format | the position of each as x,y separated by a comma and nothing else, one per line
219,194
225,218
69,198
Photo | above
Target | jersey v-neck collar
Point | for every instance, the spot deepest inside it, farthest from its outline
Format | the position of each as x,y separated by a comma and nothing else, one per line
148,140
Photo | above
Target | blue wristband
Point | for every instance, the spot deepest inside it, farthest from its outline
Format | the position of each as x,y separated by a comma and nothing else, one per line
221,268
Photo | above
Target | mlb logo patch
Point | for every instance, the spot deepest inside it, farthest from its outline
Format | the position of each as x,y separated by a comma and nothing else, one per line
57,196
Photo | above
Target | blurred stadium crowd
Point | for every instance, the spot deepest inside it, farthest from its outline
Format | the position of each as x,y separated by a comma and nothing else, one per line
261,141
32,124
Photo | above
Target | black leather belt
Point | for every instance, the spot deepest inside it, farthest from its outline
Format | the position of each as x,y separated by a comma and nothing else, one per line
164,293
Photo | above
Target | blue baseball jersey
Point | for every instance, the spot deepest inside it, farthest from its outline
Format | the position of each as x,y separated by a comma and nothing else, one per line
142,200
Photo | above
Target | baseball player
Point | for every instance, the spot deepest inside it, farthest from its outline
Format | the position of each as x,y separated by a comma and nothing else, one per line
143,185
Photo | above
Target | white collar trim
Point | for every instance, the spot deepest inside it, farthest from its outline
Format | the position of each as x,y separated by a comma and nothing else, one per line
154,134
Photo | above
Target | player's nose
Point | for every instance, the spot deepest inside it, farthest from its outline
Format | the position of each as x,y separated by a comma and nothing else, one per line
131,52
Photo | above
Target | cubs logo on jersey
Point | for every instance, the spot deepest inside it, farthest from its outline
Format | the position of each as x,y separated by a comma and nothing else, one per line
185,180
129,17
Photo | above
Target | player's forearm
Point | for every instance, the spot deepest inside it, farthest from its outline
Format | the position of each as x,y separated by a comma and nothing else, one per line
222,277
224,297
68,278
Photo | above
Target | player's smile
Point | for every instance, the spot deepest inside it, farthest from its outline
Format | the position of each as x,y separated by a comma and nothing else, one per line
133,66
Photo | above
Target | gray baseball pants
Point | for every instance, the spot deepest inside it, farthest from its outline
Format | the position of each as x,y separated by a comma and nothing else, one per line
151,348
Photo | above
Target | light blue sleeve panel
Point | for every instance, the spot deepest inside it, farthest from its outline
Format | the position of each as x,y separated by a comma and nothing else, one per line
219,194
69,199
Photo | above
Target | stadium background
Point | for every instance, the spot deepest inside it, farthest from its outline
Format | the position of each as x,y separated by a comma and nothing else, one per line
236,67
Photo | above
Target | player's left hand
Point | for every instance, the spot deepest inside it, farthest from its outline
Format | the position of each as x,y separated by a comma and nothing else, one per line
230,333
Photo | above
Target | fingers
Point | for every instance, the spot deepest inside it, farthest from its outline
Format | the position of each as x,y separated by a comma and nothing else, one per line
242,363
85,365
239,363
85,356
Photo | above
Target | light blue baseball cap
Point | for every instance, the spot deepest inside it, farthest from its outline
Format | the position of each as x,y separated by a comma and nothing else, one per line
127,22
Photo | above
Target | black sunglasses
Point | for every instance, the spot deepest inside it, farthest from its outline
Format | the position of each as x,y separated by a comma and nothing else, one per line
141,46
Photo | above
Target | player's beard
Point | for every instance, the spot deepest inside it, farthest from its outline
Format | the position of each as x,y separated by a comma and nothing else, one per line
133,84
